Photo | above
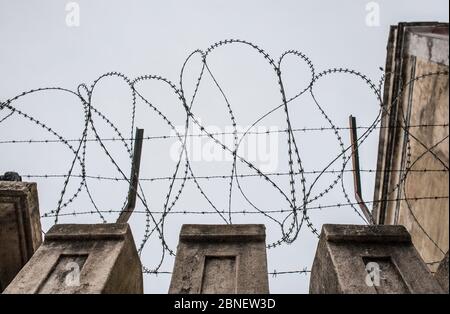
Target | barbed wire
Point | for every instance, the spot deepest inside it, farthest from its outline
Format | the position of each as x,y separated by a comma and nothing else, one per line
165,137
212,177
298,199
274,273
244,212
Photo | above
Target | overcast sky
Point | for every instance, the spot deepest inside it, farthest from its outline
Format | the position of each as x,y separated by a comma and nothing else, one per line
41,46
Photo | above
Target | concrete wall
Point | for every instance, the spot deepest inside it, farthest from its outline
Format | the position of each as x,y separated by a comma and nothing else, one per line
20,227
415,50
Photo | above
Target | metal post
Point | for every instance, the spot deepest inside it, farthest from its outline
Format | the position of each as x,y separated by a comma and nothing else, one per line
356,170
134,177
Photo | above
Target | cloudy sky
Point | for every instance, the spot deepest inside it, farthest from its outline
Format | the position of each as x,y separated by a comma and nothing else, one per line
63,44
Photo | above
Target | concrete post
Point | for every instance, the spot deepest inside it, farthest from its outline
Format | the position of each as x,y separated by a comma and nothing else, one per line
20,227
74,259
221,259
369,259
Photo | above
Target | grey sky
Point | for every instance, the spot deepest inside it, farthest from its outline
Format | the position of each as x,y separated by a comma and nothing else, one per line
135,37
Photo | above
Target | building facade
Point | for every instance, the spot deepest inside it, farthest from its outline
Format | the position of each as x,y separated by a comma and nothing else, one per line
411,185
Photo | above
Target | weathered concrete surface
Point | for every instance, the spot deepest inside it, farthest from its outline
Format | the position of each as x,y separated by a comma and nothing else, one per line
442,273
74,259
220,259
414,50
348,256
20,227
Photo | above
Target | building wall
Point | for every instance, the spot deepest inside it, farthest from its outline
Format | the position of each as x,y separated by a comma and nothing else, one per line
406,150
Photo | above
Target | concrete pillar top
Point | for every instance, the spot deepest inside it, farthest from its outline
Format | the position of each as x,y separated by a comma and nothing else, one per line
221,259
112,231
239,232
363,233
